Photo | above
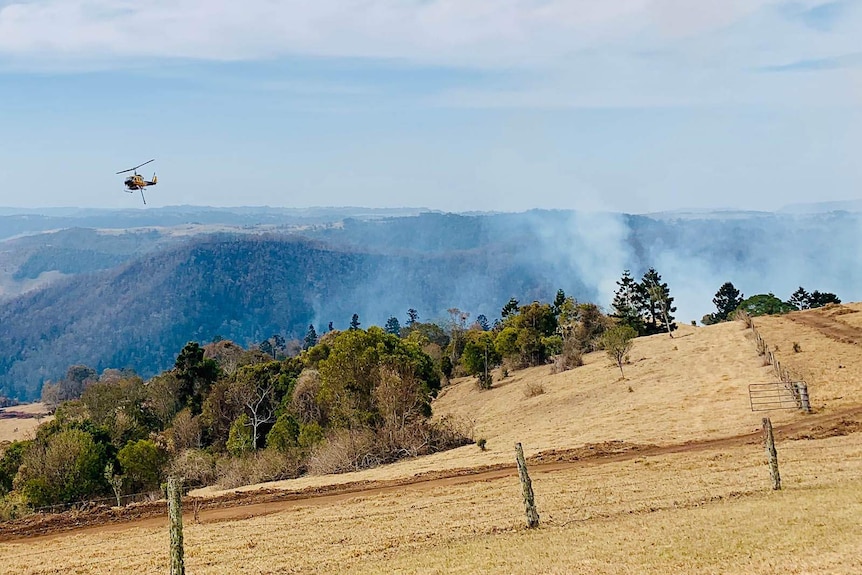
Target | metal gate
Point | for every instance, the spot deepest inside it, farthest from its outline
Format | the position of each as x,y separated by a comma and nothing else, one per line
779,395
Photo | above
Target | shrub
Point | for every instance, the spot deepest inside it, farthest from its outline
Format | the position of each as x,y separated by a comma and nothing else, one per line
344,450
13,506
195,465
239,441
796,347
284,434
481,443
533,389
569,359
142,463
67,466
264,465
310,435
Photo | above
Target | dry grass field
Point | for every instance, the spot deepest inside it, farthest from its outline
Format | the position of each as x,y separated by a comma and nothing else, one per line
697,501
14,429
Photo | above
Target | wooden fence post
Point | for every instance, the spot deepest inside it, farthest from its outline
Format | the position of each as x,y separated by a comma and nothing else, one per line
771,454
526,488
802,390
175,515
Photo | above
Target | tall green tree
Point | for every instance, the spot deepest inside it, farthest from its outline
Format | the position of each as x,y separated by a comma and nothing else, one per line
196,375
392,326
142,462
800,299
726,300
559,299
480,356
658,304
765,304
354,322
352,371
311,338
511,308
412,317
629,302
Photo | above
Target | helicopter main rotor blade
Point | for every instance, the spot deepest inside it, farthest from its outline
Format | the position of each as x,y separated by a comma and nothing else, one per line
136,167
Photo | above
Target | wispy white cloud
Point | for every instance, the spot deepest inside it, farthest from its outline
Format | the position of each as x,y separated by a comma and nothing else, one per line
489,32
652,52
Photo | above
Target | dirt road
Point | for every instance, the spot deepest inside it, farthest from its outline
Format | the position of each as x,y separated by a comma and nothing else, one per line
831,327
241,505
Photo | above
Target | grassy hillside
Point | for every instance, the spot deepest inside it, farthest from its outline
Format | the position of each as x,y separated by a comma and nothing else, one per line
697,501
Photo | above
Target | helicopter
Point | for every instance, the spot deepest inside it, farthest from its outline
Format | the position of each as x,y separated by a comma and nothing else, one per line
137,182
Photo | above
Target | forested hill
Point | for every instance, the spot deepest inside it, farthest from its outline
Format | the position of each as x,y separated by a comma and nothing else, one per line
133,297
244,288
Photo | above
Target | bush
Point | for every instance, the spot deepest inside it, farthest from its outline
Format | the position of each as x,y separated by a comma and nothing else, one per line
796,347
533,389
284,434
345,450
481,443
310,435
566,361
142,463
195,465
352,450
67,466
239,440
13,506
262,466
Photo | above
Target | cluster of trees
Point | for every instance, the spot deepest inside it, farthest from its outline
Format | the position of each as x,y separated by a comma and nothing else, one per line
334,402
728,299
352,399
645,306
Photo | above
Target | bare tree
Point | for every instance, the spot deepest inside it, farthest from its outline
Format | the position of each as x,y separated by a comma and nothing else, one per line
659,295
253,391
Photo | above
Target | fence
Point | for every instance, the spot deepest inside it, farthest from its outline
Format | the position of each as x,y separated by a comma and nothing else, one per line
789,384
609,493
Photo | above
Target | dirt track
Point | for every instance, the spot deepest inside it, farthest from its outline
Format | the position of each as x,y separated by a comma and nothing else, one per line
241,505
831,327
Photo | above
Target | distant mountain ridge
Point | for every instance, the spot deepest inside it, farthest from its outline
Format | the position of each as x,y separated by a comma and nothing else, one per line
132,297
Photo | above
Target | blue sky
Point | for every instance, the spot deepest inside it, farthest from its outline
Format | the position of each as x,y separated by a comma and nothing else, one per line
623,105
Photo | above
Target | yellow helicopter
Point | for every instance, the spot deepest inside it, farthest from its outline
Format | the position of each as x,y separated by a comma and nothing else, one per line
137,182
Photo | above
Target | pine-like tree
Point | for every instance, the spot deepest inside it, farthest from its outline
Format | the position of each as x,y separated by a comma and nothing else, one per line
511,308
628,303
310,339
559,300
726,300
412,317
392,326
354,322
658,309
482,322
800,299
819,299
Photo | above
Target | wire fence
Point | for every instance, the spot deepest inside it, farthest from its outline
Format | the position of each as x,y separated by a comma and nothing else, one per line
600,494
792,383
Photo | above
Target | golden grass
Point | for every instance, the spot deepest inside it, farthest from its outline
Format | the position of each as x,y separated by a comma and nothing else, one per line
692,387
831,368
704,511
18,429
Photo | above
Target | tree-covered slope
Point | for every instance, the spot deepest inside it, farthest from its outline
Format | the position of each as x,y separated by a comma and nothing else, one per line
243,288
